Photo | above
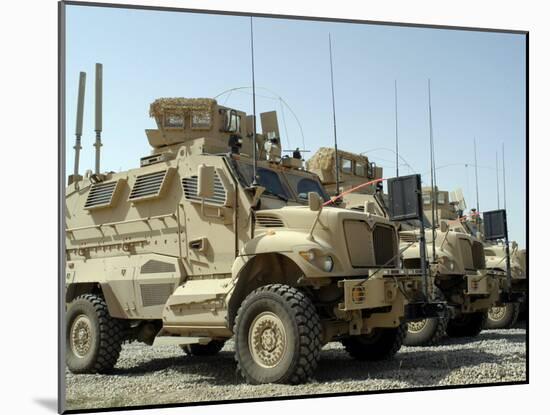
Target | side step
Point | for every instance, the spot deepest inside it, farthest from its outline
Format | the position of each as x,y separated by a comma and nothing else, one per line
179,340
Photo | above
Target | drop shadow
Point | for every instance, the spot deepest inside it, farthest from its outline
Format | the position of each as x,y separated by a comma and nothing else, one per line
48,403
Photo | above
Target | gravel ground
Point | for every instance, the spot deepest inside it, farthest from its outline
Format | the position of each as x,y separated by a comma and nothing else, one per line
146,375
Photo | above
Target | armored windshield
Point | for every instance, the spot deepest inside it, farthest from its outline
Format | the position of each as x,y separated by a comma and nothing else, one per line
303,185
266,178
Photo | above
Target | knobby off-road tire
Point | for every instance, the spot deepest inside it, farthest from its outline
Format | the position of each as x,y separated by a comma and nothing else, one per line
380,344
209,349
94,338
502,317
466,325
426,332
277,336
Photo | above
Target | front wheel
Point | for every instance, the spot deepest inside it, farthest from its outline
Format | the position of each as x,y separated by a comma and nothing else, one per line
94,338
502,317
277,336
380,344
425,332
467,325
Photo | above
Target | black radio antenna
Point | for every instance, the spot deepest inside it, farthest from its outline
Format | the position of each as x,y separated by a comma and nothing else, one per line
432,170
334,118
396,136
254,181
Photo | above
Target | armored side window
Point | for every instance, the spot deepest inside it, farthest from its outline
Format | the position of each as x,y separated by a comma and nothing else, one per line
441,198
232,122
426,198
347,166
173,120
201,120
360,169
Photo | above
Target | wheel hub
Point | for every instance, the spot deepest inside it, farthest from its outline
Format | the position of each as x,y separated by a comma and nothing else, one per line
267,340
81,336
496,313
416,326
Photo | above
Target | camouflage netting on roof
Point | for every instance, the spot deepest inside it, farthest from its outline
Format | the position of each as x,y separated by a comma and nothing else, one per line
161,105
323,159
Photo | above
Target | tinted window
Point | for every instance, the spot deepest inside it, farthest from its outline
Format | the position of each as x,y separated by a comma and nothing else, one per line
346,166
266,178
303,185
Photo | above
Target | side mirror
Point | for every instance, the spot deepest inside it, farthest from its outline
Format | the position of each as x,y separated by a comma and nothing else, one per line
205,181
514,245
315,202
444,226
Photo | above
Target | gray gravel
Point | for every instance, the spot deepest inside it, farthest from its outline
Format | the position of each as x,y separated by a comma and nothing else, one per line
146,375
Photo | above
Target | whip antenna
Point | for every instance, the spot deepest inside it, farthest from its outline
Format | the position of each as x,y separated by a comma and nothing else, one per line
503,177
498,185
254,182
477,183
337,161
98,113
432,170
396,136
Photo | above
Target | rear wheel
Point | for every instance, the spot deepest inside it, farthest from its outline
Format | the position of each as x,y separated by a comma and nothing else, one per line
380,344
467,325
277,336
94,338
209,349
502,317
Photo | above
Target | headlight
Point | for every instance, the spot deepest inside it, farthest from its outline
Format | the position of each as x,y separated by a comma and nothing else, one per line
328,264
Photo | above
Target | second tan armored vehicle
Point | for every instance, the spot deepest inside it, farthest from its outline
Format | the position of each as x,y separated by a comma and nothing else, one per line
459,273
191,249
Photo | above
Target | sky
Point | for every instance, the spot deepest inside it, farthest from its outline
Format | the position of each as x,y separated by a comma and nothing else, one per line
478,83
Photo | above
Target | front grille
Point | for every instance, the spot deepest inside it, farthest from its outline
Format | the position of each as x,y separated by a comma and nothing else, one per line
412,263
383,238
407,237
466,252
359,243
478,255
269,221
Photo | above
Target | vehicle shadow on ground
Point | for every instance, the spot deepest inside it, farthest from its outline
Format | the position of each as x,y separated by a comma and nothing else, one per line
335,365
407,364
484,335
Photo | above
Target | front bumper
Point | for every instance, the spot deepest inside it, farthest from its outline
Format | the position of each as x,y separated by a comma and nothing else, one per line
381,289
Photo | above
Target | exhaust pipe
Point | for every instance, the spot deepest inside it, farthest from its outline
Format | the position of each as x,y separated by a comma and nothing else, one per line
78,131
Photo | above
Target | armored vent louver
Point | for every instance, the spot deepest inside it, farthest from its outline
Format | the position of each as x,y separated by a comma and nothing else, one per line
189,185
102,195
150,185
155,294
268,221
153,266
358,208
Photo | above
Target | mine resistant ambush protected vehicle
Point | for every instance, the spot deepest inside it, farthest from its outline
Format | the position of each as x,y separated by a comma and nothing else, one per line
459,274
505,313
188,250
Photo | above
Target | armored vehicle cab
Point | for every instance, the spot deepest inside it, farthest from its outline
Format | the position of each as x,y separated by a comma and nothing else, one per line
192,248
459,273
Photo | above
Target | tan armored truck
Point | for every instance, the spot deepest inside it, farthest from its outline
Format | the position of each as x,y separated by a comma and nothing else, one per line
505,313
459,274
189,249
